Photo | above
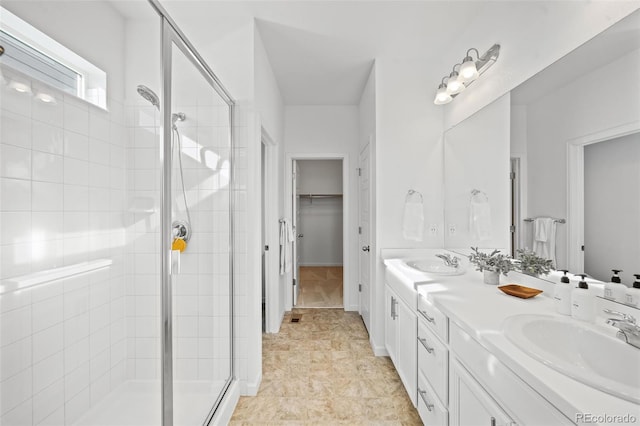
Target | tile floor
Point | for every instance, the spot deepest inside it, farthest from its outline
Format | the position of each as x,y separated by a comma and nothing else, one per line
320,287
322,371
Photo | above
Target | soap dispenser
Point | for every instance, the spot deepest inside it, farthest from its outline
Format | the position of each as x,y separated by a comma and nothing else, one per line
562,295
582,302
633,293
615,290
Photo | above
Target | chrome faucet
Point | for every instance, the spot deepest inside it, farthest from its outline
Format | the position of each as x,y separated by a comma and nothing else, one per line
454,261
628,330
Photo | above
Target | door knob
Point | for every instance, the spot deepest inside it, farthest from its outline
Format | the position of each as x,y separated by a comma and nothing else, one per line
300,235
365,248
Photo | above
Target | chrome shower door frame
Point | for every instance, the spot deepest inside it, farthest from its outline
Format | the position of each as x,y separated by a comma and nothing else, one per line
172,36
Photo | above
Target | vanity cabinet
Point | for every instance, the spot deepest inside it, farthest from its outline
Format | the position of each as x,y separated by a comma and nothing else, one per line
400,323
470,403
433,364
499,392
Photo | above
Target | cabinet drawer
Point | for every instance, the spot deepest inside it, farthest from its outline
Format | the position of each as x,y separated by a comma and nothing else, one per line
435,319
431,410
433,361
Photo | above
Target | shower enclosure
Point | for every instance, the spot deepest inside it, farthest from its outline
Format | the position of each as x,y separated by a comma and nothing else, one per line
116,285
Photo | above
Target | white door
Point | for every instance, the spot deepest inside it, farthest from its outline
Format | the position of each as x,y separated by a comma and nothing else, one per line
295,219
364,222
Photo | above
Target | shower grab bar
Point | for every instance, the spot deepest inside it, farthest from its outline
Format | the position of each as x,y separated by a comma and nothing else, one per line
51,275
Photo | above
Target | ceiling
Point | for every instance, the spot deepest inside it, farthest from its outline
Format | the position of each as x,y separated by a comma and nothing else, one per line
321,52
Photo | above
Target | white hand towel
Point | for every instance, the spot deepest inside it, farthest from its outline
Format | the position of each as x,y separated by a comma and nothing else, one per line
286,239
542,228
413,221
288,258
547,248
480,219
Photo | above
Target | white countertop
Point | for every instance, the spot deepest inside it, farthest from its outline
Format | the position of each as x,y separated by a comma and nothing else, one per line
480,310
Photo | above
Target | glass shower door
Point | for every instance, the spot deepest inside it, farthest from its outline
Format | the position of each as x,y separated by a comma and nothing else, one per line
199,311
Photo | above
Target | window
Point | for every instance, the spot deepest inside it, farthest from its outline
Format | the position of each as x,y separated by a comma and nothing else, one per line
37,56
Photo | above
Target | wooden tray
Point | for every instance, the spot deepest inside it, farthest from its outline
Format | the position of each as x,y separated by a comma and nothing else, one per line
520,291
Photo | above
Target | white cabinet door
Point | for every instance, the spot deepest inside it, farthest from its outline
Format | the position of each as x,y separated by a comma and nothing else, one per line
390,323
407,365
470,404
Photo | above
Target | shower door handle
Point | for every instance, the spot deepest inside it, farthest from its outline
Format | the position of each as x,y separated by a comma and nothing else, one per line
175,262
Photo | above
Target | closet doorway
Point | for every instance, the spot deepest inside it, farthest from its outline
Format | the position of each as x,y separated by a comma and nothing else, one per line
317,212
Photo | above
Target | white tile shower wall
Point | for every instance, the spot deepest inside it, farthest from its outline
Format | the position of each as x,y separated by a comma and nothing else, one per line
201,290
142,284
62,178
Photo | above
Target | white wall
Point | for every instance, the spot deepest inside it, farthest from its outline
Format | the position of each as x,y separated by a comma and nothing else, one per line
320,177
367,111
408,155
476,156
320,218
560,28
612,208
62,196
268,99
314,131
270,108
578,109
225,42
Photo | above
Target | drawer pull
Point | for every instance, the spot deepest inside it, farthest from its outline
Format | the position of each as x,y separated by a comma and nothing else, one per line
424,399
432,320
424,343
394,311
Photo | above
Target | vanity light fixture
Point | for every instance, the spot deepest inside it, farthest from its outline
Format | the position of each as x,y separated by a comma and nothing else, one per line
468,71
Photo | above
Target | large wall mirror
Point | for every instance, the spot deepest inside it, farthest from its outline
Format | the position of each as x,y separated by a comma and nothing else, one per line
575,156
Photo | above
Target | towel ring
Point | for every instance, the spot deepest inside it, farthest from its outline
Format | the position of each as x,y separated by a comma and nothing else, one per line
411,193
476,192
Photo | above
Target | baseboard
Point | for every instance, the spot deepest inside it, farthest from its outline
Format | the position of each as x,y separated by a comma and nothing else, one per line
353,308
251,388
334,265
379,350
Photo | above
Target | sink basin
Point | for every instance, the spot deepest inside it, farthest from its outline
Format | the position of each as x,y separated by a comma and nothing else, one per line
434,266
579,351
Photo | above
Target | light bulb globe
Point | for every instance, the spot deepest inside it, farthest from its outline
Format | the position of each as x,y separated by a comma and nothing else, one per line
468,70
442,97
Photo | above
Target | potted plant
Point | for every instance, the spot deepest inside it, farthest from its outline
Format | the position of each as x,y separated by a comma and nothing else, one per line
531,264
492,264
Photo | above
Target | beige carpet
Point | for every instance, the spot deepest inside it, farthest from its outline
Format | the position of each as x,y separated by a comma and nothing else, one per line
322,371
320,287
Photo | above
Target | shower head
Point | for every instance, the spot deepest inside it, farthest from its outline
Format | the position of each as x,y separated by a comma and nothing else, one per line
178,116
149,95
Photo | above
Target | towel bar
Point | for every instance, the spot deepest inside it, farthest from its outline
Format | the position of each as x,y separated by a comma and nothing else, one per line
531,219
